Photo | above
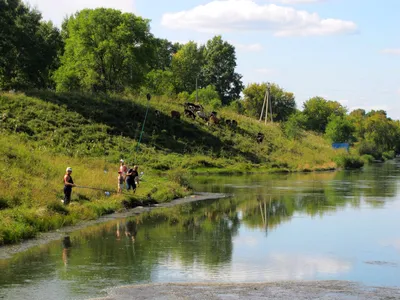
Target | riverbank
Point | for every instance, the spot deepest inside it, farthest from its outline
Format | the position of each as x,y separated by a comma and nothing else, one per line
299,290
8,251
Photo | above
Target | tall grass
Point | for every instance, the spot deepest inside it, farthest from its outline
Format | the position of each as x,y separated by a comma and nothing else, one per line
43,132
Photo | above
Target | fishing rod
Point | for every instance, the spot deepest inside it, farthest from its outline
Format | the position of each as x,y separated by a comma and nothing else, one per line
93,188
148,96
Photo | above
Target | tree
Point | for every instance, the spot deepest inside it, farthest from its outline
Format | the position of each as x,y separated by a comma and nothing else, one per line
159,82
283,103
186,66
207,96
219,69
164,52
295,125
29,48
382,132
318,110
357,118
105,50
340,129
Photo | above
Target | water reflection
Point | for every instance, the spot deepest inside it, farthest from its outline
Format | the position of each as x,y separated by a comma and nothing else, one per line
276,227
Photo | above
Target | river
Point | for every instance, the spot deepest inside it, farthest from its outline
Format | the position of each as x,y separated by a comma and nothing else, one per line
276,227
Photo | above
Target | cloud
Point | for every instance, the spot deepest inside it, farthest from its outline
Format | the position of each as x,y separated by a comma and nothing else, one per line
57,11
395,51
247,15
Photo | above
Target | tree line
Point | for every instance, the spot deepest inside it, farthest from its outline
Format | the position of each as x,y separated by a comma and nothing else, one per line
107,51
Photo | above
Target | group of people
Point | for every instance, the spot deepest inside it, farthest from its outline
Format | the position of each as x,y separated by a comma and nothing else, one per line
130,177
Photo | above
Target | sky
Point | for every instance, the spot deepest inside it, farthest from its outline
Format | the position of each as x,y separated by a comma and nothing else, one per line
342,50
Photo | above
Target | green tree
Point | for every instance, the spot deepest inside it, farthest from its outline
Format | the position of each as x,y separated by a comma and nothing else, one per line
164,52
219,69
105,50
295,125
357,118
382,132
29,48
159,82
186,66
283,103
207,96
318,110
340,129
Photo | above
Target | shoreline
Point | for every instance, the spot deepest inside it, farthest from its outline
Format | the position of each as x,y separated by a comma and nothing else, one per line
8,251
299,290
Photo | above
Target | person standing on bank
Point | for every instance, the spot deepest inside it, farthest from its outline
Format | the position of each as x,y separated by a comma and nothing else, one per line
131,178
123,168
68,185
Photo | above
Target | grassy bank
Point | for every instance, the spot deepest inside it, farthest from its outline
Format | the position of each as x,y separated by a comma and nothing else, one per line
42,133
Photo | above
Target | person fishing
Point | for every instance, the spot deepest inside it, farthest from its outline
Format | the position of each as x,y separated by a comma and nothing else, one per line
132,179
68,185
123,168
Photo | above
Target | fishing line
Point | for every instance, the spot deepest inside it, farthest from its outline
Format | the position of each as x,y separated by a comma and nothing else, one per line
148,96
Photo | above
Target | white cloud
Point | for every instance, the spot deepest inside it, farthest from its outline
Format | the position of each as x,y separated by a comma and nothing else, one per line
245,15
57,10
395,51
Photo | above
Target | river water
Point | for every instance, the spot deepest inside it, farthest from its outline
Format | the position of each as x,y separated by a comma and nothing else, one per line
315,226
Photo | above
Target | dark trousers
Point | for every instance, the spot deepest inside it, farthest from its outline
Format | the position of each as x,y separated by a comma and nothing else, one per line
67,194
130,184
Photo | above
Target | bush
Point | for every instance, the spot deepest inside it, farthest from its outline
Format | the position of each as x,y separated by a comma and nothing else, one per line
367,158
388,155
370,149
348,161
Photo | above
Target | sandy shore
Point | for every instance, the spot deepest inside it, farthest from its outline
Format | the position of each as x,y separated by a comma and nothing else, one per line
293,290
43,238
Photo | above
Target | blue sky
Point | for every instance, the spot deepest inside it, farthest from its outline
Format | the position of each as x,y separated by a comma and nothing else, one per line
343,50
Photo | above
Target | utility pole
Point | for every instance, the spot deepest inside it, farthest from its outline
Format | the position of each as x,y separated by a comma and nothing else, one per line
197,92
262,110
268,103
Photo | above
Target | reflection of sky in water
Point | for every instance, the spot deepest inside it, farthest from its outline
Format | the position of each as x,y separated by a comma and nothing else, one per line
308,248
335,226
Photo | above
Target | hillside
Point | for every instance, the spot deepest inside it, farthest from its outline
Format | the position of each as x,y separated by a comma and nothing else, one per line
43,132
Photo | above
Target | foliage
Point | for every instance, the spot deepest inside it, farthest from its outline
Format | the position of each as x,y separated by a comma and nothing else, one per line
283,103
388,155
29,48
295,125
207,96
349,161
219,69
105,50
369,148
318,110
340,130
186,66
159,83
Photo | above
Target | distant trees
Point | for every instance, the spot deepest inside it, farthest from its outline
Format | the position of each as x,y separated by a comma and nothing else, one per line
105,50
283,103
318,111
29,47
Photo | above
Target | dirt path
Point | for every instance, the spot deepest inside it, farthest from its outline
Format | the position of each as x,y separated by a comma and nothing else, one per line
44,238
300,290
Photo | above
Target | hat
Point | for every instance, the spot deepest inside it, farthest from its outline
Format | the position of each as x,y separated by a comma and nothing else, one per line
69,169
121,160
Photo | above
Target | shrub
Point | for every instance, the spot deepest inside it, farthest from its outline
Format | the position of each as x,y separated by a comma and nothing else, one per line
367,158
388,155
348,161
369,148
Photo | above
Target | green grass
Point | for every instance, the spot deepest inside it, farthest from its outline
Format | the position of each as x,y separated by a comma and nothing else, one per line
43,132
